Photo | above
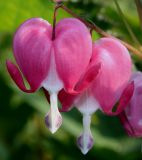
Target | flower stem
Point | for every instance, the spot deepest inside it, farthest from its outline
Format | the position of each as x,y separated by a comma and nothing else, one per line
58,5
134,38
139,8
100,31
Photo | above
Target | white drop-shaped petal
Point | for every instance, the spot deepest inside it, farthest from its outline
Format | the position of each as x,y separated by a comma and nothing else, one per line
87,105
53,118
53,85
85,140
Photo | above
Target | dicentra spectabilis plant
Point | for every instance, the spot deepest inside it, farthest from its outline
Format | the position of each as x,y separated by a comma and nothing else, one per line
66,64
109,87
131,118
53,64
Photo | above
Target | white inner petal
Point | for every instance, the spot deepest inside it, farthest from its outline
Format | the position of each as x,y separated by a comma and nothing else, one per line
53,118
85,141
87,104
52,83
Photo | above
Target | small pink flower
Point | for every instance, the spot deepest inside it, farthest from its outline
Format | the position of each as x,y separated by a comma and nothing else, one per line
109,87
131,118
52,64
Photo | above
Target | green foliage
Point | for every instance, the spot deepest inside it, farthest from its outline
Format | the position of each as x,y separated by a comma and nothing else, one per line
23,135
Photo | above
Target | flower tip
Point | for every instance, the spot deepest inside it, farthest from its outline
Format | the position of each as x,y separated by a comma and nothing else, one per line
85,143
53,122
53,129
84,151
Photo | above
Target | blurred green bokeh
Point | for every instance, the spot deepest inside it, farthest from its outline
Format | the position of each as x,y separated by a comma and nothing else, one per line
23,135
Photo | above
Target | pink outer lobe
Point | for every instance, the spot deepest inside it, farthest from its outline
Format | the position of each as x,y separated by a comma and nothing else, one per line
17,77
73,49
132,116
31,49
114,74
124,99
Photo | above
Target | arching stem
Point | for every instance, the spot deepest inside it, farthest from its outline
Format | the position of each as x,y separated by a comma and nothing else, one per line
58,5
127,25
100,31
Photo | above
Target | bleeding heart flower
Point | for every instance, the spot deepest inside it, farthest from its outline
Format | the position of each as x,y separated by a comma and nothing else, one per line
109,87
52,64
131,118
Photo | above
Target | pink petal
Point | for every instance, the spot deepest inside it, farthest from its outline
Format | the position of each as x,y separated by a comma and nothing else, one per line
133,111
124,99
32,45
125,122
17,77
67,100
114,74
73,50
87,78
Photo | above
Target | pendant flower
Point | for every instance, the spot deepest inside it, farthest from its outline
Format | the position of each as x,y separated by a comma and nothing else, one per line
131,117
109,87
52,64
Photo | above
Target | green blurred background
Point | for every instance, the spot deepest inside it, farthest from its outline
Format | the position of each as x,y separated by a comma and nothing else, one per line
23,135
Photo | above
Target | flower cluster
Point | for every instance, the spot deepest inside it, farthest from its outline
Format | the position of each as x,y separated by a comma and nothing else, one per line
79,73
